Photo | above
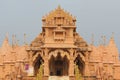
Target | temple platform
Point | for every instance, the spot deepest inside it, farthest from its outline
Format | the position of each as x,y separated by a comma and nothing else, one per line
58,78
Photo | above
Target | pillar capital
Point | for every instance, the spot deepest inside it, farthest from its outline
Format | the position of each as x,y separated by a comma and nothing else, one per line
71,51
46,51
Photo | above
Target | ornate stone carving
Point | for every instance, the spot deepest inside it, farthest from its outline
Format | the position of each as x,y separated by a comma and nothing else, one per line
39,41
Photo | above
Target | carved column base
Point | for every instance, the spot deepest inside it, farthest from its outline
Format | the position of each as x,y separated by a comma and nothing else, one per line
45,78
72,77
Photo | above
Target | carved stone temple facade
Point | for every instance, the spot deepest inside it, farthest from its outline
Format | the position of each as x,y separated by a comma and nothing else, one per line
59,48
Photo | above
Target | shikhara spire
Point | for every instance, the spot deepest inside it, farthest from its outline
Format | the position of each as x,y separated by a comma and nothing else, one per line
6,41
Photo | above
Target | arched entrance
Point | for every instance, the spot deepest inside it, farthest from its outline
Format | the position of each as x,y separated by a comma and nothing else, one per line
78,61
58,65
38,61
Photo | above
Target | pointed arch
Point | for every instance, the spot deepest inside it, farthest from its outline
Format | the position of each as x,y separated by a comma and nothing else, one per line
36,55
58,65
81,56
62,53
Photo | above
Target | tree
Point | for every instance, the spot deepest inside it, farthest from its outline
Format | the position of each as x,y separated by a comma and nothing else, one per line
40,73
78,75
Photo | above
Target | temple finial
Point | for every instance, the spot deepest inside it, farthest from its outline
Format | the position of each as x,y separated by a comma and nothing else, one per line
92,39
13,40
6,37
112,37
59,7
16,43
25,43
104,40
112,41
5,42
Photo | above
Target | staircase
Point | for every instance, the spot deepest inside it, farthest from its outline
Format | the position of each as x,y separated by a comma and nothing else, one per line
58,78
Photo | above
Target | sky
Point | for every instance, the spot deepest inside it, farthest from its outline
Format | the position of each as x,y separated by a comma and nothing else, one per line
98,17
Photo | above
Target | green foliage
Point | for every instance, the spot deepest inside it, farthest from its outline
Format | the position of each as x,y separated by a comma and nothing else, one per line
40,73
78,75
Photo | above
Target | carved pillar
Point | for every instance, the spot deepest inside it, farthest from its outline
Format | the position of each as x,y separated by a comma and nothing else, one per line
71,67
46,66
87,72
71,63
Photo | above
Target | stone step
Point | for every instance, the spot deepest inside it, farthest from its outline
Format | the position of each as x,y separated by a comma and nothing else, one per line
58,78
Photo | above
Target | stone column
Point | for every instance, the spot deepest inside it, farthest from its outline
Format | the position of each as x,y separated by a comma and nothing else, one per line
71,66
46,66
86,72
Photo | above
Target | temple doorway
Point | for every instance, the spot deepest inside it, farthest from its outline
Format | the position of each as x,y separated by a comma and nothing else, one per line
58,65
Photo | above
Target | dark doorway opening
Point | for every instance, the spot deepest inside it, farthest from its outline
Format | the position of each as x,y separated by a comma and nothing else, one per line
78,61
58,73
37,64
59,65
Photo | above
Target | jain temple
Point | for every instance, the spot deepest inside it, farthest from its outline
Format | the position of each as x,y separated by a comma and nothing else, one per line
59,53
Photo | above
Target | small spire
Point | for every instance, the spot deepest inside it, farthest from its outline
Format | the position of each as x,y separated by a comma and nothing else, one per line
13,40
112,41
104,40
59,7
112,37
5,42
25,43
6,38
92,39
